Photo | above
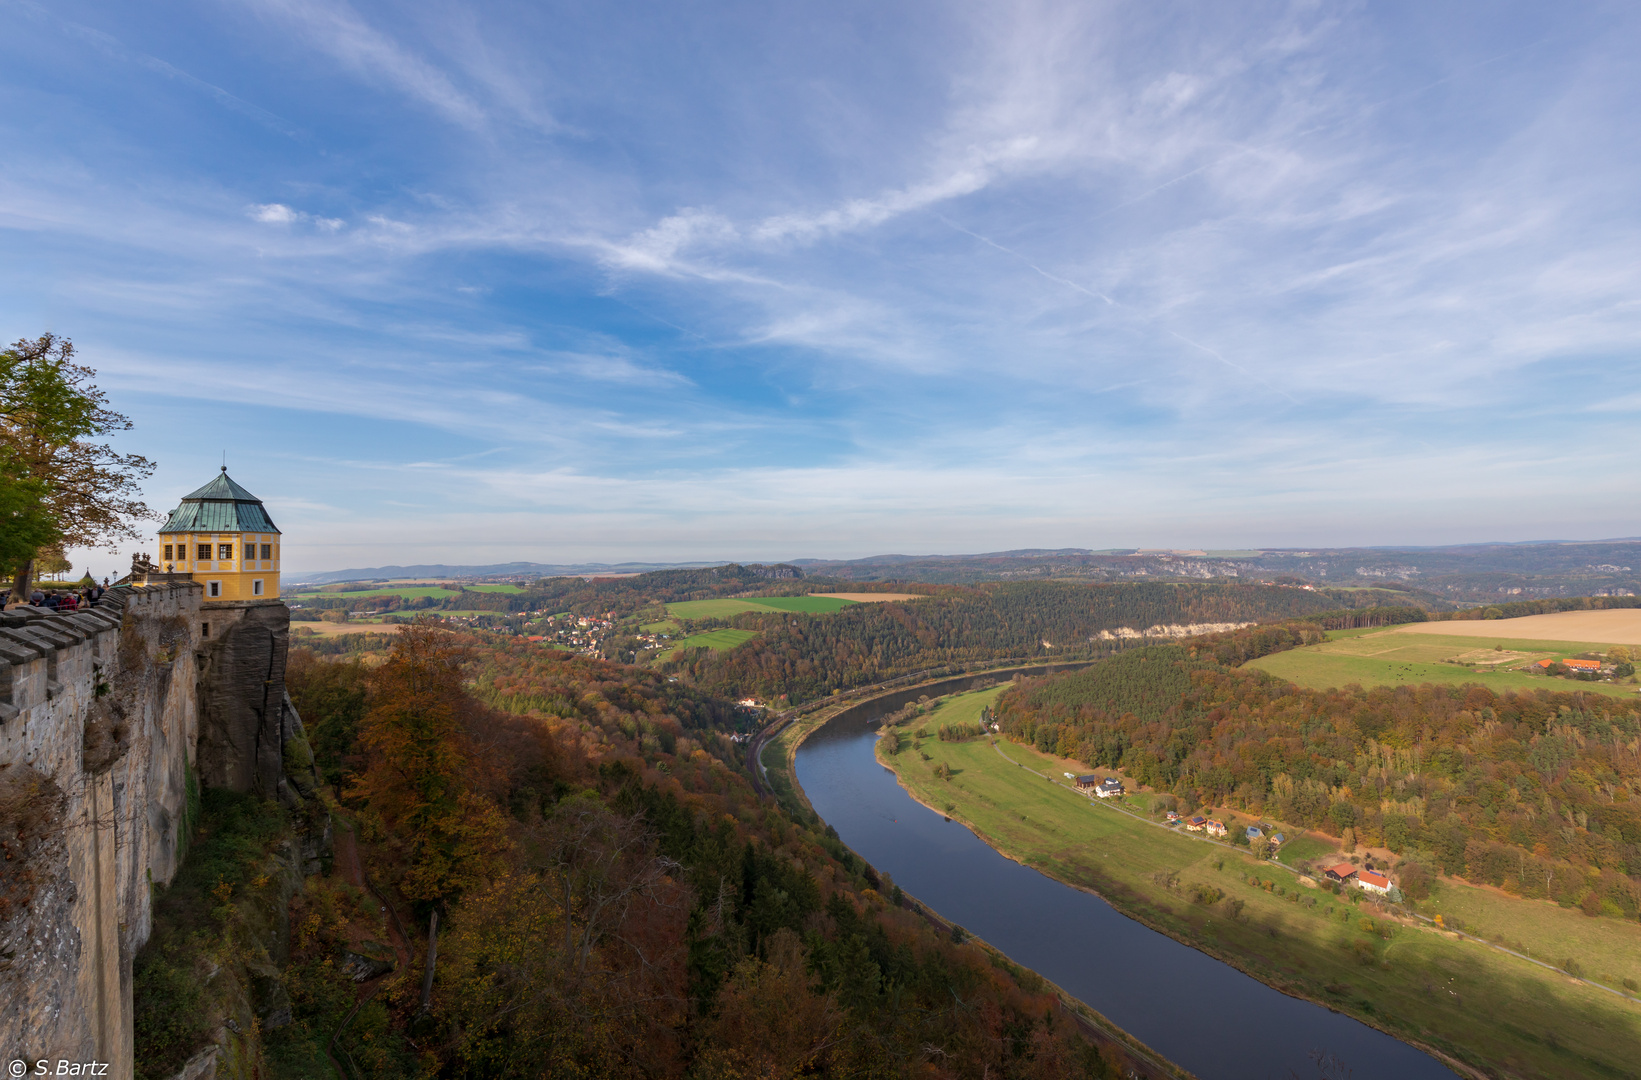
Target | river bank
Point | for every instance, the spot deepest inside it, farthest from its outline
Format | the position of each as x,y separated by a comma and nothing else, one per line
1453,998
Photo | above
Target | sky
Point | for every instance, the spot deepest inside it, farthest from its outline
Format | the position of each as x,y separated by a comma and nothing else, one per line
564,282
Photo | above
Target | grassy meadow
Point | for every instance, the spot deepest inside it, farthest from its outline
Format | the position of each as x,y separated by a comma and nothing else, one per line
717,640
724,608
1483,1007
1396,656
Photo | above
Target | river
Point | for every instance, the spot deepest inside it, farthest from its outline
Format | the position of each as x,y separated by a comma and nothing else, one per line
1203,1014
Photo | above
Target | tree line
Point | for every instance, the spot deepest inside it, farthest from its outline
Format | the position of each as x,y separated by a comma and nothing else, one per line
804,657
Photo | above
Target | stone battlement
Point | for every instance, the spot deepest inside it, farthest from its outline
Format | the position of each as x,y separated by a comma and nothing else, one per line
109,719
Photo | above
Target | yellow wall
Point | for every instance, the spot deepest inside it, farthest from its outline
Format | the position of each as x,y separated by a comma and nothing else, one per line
235,577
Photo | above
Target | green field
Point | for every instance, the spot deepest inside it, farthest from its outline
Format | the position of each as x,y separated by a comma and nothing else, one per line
717,640
1479,1005
723,609
1393,658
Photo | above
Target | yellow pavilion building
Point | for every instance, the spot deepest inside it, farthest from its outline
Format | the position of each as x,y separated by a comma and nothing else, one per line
222,536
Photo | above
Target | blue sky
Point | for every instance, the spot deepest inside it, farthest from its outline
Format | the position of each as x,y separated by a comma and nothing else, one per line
471,283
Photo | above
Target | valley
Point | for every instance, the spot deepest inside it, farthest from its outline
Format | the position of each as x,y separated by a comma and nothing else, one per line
1273,921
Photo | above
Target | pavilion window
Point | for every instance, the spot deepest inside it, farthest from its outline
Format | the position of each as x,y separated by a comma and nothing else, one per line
250,551
267,551
167,556
204,551
225,551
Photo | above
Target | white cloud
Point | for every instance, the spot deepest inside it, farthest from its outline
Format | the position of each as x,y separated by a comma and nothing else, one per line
275,214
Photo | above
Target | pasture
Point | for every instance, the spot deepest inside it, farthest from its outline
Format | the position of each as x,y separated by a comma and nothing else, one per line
1619,626
717,640
332,629
1406,656
1490,1009
726,607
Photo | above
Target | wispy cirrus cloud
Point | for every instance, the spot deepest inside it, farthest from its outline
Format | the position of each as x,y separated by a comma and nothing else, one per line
336,28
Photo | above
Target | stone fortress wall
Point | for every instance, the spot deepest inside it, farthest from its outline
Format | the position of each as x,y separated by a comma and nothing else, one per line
110,719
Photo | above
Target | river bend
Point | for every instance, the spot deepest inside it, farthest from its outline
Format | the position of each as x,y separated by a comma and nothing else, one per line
1203,1014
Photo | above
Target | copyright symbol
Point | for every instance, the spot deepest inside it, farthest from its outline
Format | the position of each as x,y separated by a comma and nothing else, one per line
18,1067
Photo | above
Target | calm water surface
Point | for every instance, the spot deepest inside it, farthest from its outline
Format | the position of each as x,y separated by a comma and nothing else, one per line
1205,1015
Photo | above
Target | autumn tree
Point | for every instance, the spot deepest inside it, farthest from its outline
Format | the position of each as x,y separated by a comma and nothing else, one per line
769,1022
52,416
420,771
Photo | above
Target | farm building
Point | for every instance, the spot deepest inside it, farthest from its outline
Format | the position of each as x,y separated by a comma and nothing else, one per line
1591,666
1087,783
1341,873
1278,839
1373,882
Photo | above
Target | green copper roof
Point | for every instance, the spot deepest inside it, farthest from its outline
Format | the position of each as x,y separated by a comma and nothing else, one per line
220,506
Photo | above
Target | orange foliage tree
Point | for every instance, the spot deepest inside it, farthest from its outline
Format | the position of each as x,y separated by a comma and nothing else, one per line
420,771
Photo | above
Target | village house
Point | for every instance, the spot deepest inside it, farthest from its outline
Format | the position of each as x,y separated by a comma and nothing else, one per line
1173,817
1197,823
1215,828
1340,874
1109,787
1255,832
1087,783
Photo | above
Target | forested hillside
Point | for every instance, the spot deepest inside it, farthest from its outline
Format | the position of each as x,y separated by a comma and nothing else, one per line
599,596
612,900
1539,793
804,657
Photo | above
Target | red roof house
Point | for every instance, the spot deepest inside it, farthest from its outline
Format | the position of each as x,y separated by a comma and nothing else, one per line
1341,873
1373,882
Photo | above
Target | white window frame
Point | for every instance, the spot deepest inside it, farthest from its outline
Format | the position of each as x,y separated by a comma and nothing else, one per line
213,588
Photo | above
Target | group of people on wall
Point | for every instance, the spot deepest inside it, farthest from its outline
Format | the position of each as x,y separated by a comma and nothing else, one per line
76,598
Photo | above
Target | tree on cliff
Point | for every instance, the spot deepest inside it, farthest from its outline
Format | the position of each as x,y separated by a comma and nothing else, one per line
73,490
420,766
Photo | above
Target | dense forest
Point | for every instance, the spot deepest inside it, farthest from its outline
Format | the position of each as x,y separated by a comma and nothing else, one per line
1538,793
802,657
611,898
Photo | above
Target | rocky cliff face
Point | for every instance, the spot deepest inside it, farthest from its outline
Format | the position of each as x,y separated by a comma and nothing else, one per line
242,697
108,720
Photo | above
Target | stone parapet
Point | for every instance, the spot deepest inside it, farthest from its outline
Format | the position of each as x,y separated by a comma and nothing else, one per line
98,735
